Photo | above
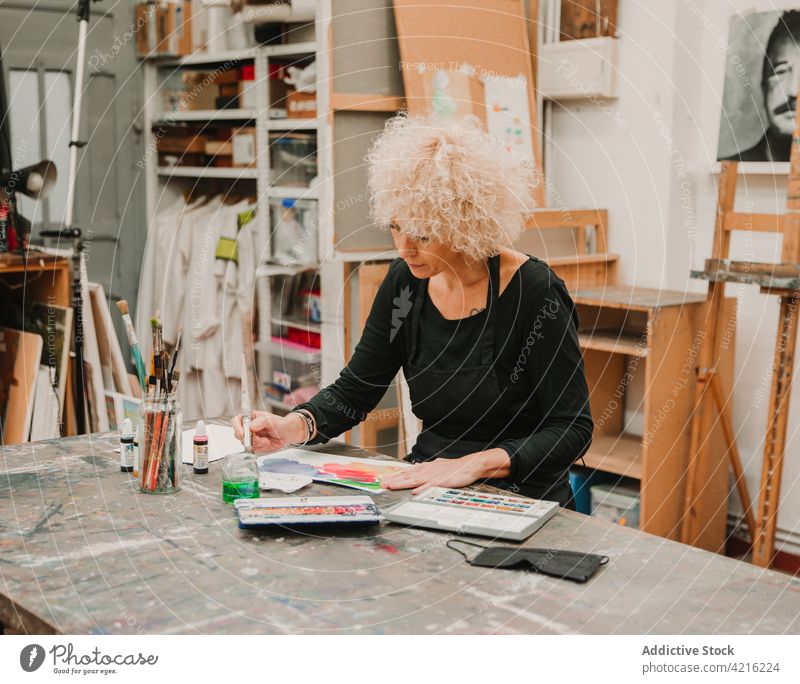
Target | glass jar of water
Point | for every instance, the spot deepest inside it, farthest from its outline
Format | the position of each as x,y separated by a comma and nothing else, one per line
239,477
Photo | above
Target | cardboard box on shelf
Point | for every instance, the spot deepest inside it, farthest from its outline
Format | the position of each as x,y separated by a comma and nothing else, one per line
219,147
200,90
301,105
221,152
181,149
178,27
146,27
228,77
229,89
182,144
163,28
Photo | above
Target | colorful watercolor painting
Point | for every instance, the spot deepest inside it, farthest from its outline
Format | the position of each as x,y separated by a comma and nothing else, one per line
508,116
357,473
454,93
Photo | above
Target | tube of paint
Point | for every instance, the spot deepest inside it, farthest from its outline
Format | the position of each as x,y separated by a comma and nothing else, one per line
200,449
127,455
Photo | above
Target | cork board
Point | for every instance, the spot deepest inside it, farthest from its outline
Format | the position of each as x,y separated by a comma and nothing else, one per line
449,51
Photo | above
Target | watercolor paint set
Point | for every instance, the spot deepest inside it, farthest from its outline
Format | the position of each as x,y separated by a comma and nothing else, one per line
310,510
469,499
472,512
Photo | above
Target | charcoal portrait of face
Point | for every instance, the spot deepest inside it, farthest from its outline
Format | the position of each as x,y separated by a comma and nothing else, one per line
758,114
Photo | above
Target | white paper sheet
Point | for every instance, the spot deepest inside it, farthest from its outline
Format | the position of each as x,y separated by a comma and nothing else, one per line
508,116
221,443
283,483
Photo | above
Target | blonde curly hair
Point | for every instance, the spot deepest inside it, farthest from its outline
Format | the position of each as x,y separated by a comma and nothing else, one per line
451,182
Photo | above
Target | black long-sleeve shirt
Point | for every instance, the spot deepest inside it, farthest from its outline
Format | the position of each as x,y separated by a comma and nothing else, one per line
538,362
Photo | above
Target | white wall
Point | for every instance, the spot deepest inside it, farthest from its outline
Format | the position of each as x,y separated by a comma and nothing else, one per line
650,160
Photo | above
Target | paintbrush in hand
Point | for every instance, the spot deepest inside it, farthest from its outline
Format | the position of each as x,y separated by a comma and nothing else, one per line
247,408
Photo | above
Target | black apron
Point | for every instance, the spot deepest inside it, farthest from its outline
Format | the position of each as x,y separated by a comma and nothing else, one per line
448,399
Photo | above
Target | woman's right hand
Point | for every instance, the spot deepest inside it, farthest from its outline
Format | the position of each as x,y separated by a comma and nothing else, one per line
271,432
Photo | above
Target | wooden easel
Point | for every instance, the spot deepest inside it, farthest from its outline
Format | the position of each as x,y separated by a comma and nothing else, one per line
782,280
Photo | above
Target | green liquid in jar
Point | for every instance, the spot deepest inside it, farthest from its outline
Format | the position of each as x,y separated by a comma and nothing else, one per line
241,489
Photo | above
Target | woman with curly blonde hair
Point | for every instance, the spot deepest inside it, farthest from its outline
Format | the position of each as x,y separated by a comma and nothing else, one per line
485,335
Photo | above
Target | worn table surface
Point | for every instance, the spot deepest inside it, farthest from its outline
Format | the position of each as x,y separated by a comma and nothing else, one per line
81,551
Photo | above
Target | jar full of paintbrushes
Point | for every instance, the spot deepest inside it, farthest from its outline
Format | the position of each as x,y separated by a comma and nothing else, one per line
160,458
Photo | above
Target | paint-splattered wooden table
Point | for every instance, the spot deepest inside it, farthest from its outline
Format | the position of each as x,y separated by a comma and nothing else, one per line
81,551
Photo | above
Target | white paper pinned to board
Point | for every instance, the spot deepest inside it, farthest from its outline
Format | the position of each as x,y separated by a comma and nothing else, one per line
508,116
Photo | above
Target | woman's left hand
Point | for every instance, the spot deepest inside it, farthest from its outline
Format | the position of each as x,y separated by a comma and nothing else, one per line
441,472
451,472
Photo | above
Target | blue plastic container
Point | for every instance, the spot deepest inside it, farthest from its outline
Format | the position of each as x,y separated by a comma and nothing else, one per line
581,480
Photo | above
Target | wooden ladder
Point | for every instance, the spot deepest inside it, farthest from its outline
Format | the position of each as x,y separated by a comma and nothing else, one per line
781,279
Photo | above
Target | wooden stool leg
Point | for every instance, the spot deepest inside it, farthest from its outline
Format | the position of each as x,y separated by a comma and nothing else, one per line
783,369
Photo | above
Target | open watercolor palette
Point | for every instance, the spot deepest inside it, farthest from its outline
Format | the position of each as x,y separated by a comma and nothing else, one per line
309,510
472,512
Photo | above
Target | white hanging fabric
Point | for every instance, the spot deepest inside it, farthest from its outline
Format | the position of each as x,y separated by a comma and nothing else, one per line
199,272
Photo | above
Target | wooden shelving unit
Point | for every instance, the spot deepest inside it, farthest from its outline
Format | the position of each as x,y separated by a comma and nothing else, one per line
627,331
48,277
598,340
619,454
44,278
164,182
